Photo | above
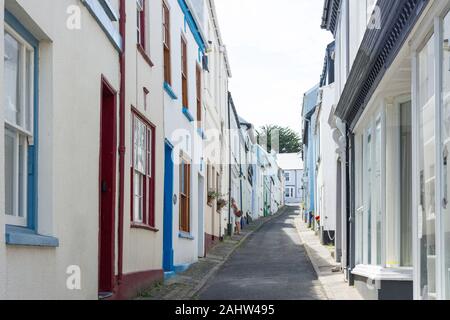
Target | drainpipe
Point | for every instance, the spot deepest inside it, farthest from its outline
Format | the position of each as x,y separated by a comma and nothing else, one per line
122,148
240,175
229,226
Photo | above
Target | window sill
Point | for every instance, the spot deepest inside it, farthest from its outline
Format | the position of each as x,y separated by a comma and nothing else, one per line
169,91
145,55
378,273
188,114
135,225
185,235
20,236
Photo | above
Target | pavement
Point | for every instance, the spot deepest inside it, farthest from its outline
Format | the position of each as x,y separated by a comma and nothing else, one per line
333,282
186,285
272,264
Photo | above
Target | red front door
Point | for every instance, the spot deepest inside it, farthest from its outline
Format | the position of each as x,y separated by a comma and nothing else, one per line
107,188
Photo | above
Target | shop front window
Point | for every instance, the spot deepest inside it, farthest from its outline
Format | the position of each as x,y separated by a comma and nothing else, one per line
427,171
405,185
369,215
446,149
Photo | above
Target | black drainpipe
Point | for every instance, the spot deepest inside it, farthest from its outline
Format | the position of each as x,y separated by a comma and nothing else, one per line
229,226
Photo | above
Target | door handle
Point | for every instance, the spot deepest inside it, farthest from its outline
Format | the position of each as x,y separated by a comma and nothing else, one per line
104,186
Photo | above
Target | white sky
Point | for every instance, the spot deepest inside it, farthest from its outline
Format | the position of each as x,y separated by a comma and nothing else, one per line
276,50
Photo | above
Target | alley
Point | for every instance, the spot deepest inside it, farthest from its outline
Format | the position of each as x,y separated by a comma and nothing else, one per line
271,264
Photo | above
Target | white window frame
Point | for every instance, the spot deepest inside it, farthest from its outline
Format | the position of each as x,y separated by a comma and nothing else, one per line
367,125
432,24
21,132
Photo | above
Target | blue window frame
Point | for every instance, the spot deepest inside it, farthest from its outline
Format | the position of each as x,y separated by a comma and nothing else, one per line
26,233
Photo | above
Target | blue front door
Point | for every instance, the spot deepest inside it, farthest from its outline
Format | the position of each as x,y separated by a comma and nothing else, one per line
168,209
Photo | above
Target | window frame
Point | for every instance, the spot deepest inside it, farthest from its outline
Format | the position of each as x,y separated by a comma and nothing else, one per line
27,131
148,220
185,180
184,72
166,43
365,128
141,23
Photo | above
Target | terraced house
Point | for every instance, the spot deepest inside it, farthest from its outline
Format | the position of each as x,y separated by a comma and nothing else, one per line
108,145
391,118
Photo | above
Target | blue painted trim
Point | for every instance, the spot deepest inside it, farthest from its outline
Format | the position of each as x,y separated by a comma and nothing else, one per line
168,252
188,114
20,236
192,25
109,10
20,29
181,268
184,235
97,10
32,189
201,133
170,91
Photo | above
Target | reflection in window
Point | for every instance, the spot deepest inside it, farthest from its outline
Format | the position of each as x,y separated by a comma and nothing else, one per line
446,148
427,165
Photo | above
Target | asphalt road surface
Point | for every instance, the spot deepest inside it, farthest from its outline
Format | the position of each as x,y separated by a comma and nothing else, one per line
272,264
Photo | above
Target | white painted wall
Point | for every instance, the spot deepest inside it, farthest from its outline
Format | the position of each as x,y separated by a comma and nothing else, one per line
326,175
182,133
68,155
143,248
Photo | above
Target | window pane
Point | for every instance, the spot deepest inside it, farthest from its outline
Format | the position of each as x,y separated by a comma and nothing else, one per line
9,171
22,176
427,164
138,196
446,148
377,193
12,79
406,186
140,151
29,90
367,219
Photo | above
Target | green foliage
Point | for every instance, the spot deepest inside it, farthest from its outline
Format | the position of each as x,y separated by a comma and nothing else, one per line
289,140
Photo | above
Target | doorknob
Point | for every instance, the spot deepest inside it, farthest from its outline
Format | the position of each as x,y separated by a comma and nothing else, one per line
104,186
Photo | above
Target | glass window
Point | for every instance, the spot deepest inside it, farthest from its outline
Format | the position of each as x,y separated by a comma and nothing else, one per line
427,166
18,108
405,185
12,79
446,148
143,183
370,194
377,194
367,218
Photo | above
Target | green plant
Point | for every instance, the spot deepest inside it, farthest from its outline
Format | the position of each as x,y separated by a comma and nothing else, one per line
212,195
221,203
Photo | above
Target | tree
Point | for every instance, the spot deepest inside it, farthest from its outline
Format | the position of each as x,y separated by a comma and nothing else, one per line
285,139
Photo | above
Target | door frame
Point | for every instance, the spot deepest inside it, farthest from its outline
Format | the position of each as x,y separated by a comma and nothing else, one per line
168,253
105,85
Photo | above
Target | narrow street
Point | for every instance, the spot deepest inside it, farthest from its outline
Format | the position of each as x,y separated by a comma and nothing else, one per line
271,264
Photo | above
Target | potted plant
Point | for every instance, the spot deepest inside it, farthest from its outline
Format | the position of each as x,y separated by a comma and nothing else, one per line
212,195
221,203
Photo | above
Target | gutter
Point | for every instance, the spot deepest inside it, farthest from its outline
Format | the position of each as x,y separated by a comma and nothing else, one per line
122,148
